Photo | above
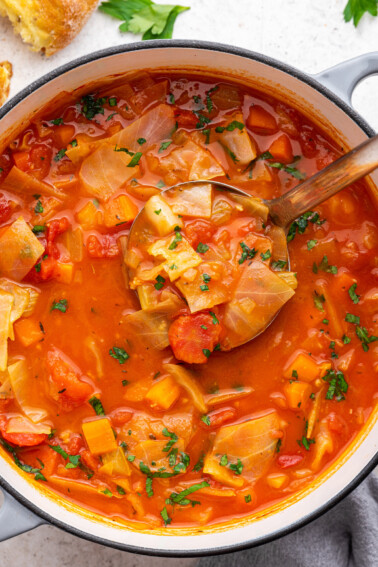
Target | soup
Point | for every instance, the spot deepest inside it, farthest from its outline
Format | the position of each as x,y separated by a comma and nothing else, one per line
120,387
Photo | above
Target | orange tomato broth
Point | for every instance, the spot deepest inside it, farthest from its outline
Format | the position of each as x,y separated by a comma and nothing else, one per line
67,349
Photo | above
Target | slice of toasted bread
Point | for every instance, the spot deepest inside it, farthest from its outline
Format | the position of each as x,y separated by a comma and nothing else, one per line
48,25
5,77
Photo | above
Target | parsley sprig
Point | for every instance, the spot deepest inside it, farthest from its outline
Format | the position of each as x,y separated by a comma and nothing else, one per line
153,21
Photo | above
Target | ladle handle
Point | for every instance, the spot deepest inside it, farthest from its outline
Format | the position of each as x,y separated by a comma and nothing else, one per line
339,174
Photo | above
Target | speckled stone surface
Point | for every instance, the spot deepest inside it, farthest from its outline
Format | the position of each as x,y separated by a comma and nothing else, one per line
309,35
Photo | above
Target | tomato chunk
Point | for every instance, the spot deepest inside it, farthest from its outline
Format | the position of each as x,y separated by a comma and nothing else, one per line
5,209
193,337
64,385
185,118
289,460
56,227
21,439
199,231
218,417
105,248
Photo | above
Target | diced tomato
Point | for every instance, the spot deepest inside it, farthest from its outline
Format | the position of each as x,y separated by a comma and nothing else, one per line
198,231
65,387
5,209
336,423
261,121
49,458
22,160
21,439
307,140
43,271
106,248
219,417
89,460
185,118
75,443
193,337
281,149
120,416
56,227
289,460
40,158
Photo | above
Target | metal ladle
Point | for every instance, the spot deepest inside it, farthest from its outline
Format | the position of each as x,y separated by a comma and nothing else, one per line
304,197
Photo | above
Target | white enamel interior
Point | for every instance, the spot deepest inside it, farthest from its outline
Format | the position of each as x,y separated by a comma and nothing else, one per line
362,452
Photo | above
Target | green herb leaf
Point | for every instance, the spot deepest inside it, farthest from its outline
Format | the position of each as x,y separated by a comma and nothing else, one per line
135,160
350,318
311,244
237,467
355,9
164,146
224,461
141,141
38,208
214,318
57,121
120,490
337,385
38,228
159,282
247,253
279,265
247,498
266,255
177,498
90,106
207,353
176,240
204,287
202,248
301,223
119,354
97,405
364,337
324,266
205,419
199,464
164,514
61,305
60,155
352,293
319,299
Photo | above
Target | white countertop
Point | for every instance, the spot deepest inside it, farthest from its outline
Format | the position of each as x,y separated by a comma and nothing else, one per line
308,35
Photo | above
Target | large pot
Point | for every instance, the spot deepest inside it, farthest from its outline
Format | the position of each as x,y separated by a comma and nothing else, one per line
326,98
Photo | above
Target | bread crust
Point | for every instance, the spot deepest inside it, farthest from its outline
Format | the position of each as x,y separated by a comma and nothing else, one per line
47,25
5,77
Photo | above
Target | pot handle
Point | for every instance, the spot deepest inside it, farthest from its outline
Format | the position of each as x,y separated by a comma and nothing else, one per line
343,78
15,519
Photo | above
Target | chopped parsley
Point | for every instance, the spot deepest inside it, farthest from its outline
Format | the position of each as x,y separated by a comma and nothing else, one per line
90,106
176,240
164,514
73,460
346,340
247,253
224,461
319,299
38,209
112,101
279,265
159,282
237,467
231,127
311,244
337,385
135,159
61,305
205,419
266,255
97,405
181,497
364,337
247,498
202,248
57,121
206,352
60,155
199,464
173,439
305,442
157,212
141,141
206,278
352,293
38,228
119,354
26,468
204,287
324,266
164,146
301,223
350,318
120,490
214,318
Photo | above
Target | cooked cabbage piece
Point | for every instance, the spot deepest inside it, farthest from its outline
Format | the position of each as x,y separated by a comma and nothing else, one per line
258,296
21,424
20,382
20,182
251,443
191,162
187,380
19,250
154,126
178,253
208,286
104,171
192,201
161,215
115,463
21,298
237,141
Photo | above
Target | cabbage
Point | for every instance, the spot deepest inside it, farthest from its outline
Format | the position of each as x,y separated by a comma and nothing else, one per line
238,142
191,201
21,424
150,326
187,380
19,250
218,286
259,295
104,171
190,162
20,382
178,253
115,463
21,299
251,442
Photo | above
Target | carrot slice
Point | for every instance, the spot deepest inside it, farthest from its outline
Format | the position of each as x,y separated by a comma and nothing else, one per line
281,149
193,337
260,121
